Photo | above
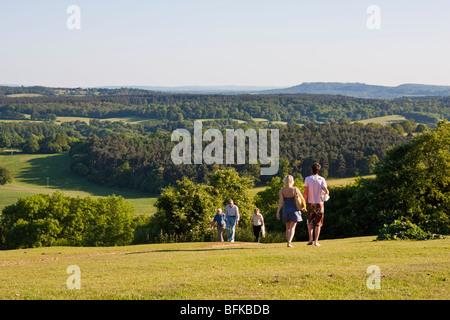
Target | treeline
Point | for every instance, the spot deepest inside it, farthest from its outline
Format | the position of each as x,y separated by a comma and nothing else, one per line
343,149
24,135
137,156
299,108
144,162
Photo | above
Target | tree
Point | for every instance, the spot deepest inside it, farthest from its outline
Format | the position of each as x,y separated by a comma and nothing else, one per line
184,211
229,185
5,176
4,142
414,181
370,162
31,145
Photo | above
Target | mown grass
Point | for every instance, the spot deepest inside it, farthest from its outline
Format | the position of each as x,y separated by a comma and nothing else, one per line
31,173
336,270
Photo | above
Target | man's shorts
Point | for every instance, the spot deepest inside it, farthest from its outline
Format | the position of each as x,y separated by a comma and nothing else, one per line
315,214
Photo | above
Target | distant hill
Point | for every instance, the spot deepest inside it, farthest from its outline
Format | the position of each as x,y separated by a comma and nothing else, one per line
361,90
21,91
355,90
230,89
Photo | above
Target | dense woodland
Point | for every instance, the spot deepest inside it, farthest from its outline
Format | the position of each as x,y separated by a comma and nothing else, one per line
294,108
125,155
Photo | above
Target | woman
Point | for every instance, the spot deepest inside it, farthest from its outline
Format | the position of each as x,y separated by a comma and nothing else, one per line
257,223
291,215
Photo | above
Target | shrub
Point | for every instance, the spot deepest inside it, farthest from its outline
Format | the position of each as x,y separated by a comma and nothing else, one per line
57,219
402,230
5,176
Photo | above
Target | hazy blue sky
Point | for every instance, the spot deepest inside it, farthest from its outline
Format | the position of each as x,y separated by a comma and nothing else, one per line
228,42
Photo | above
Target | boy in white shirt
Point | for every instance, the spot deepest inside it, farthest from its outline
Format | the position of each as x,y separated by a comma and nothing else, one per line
314,186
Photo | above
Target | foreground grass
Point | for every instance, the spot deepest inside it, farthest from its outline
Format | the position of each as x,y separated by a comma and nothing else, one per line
336,270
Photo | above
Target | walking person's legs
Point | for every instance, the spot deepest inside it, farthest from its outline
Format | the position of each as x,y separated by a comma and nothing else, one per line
228,228
290,231
316,234
231,228
310,231
219,233
318,223
314,222
256,232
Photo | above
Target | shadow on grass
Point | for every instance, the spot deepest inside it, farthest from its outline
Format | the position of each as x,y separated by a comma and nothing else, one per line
189,250
53,171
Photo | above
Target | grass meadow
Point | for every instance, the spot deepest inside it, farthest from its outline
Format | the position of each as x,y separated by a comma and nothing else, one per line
230,271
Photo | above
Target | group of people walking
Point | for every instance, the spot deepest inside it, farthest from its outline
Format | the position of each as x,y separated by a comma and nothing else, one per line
230,220
315,193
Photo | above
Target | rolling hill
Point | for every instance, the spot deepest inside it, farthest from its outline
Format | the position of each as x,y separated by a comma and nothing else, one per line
361,90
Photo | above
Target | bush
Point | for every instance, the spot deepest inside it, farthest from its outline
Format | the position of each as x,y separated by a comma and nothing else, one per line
5,176
56,219
402,230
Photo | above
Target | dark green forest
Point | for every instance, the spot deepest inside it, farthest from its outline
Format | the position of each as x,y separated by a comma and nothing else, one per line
128,156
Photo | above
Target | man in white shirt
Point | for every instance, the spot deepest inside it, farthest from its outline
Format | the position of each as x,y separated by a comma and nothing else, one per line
314,186
232,214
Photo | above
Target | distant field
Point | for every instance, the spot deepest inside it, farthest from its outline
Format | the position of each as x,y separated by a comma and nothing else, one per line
330,183
345,181
409,270
383,120
21,95
30,177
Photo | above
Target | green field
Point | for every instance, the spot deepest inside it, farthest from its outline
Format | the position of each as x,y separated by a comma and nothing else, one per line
31,173
383,120
336,270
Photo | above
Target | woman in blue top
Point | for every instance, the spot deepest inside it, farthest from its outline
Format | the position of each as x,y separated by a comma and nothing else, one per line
290,213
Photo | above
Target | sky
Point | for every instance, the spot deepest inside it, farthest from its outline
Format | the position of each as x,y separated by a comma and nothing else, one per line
276,43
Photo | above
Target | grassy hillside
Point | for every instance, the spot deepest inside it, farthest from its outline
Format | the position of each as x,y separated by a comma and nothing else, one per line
31,173
336,270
